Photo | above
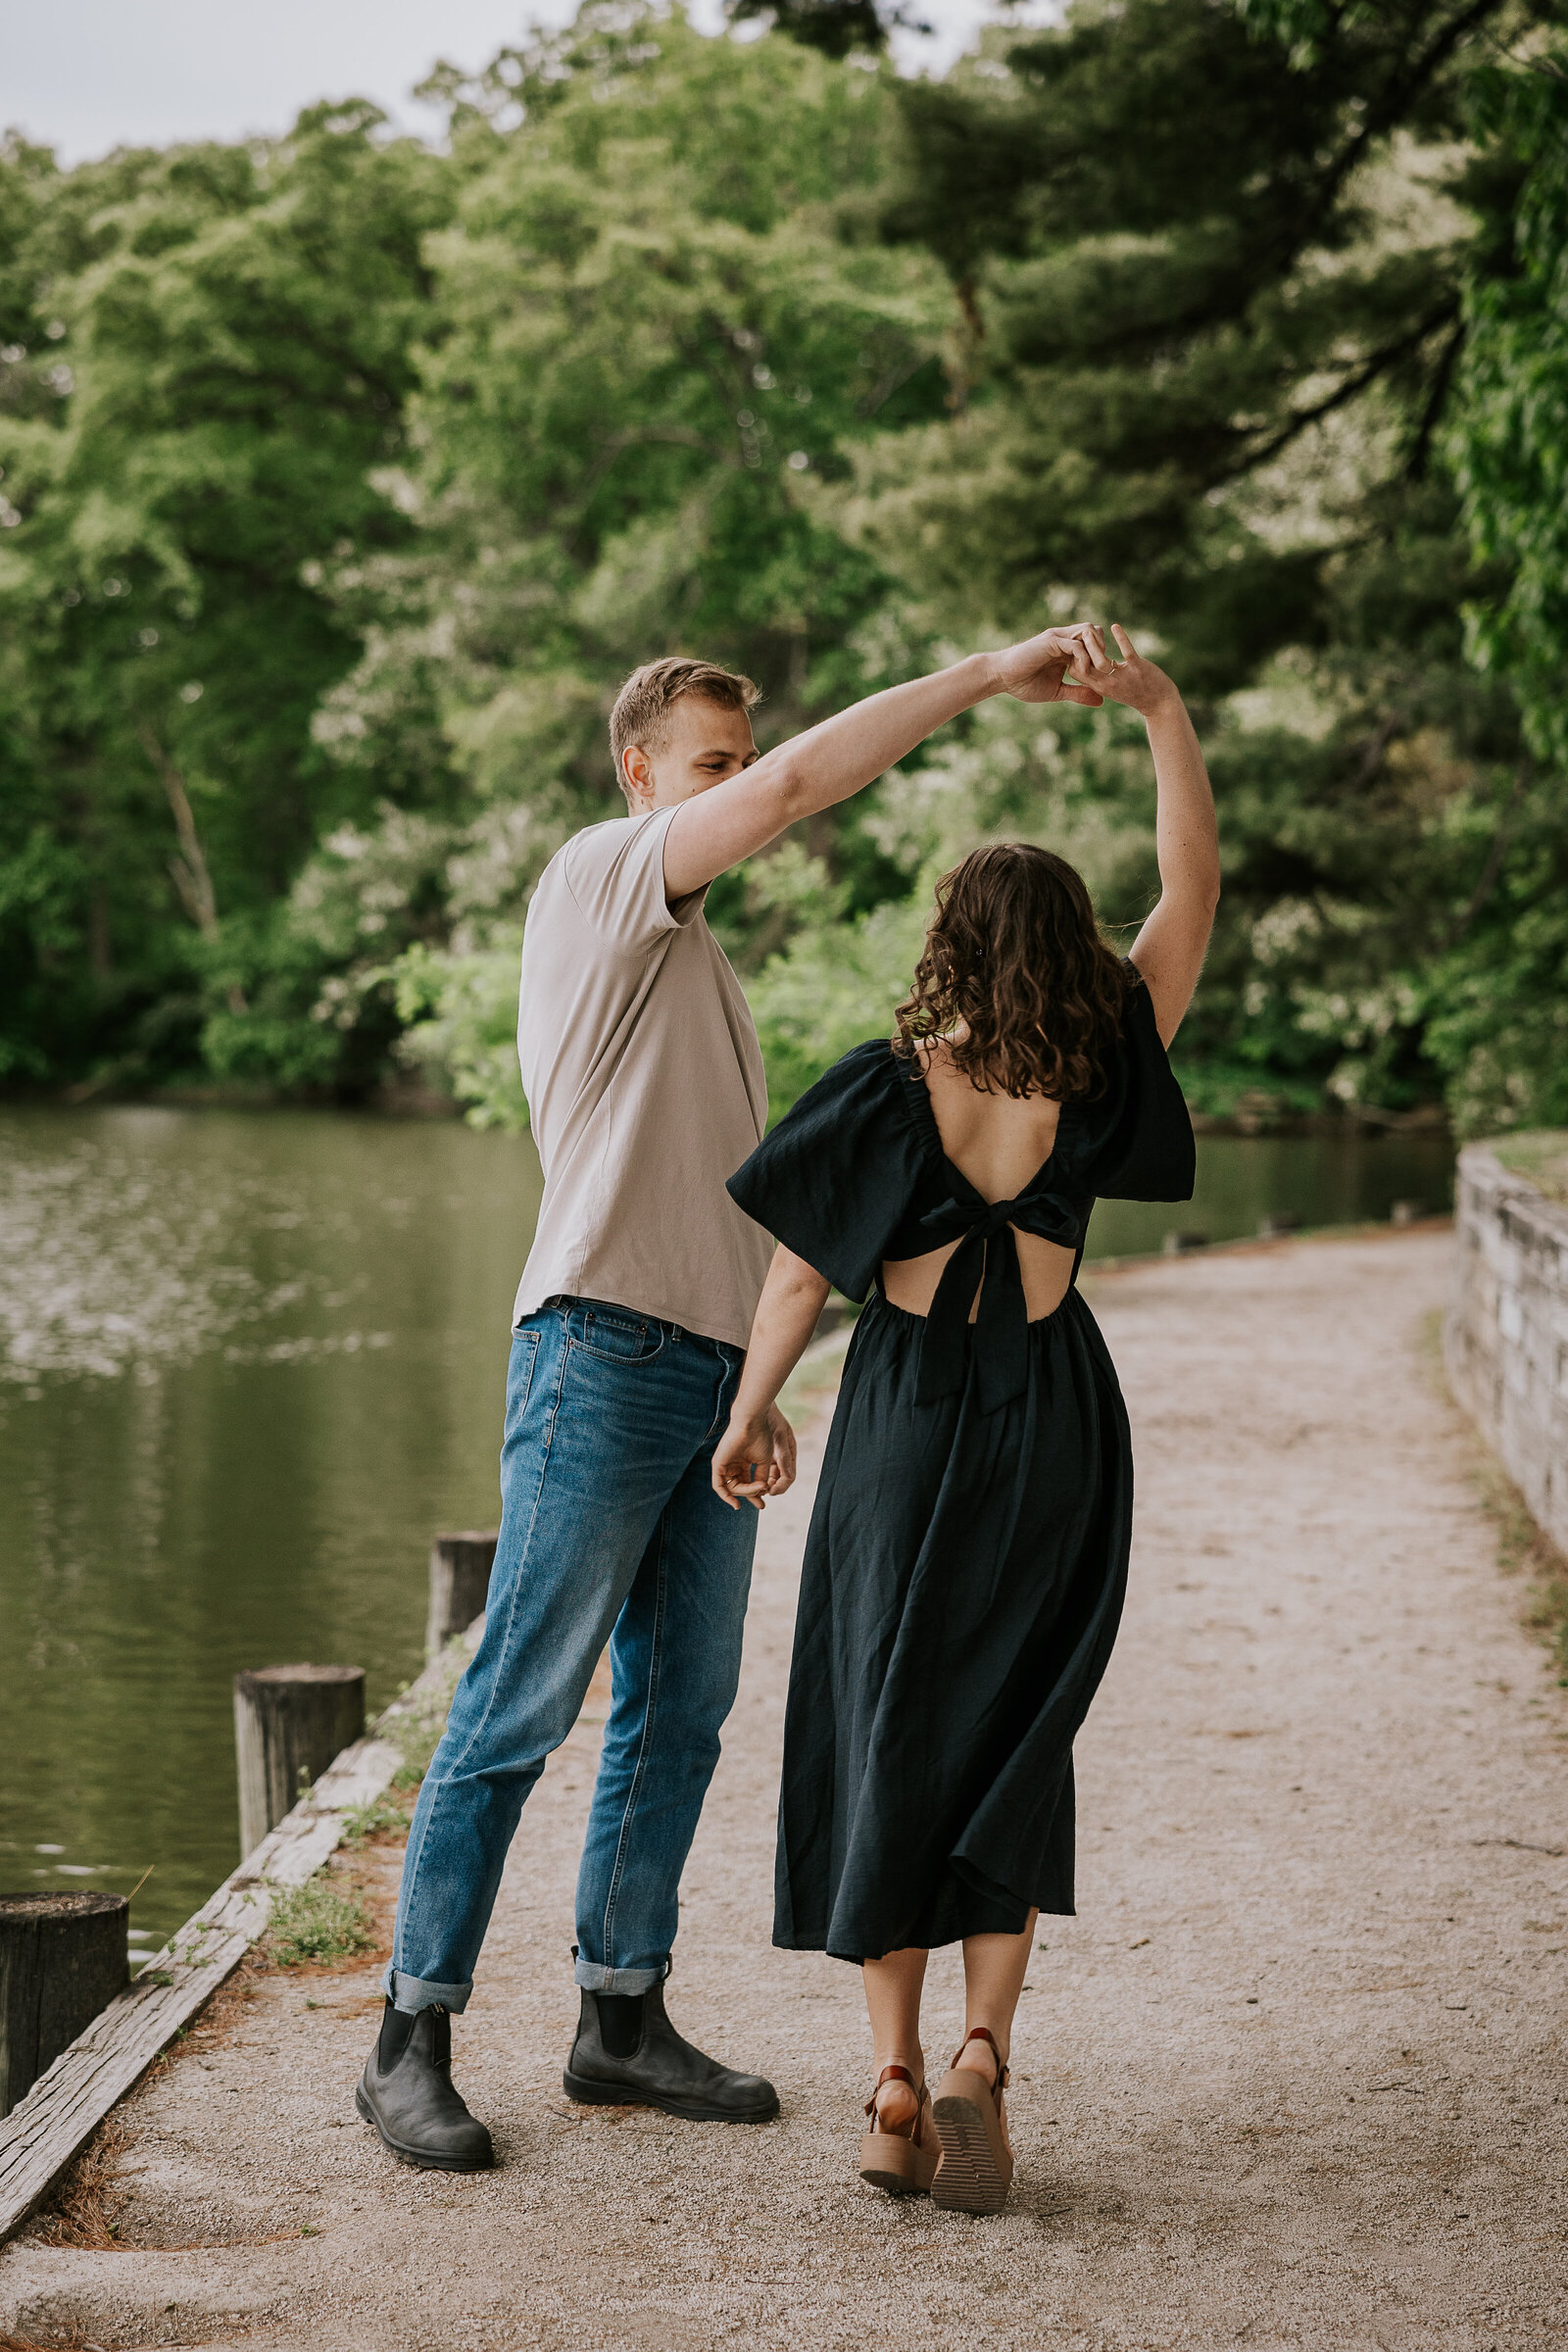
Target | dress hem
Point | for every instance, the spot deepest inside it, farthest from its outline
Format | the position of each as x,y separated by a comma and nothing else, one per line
819,1943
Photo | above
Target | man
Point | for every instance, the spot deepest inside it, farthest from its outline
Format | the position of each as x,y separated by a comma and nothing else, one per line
645,1086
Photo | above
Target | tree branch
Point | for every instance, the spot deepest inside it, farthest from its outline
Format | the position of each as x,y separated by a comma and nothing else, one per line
192,880
1354,384
1394,103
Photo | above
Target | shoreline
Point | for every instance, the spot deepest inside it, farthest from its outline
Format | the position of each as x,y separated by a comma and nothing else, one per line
399,1106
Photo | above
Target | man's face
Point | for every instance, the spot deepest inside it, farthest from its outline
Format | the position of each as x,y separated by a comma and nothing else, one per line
703,744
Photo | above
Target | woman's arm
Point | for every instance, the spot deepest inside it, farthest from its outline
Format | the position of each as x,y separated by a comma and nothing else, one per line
755,1456
1170,948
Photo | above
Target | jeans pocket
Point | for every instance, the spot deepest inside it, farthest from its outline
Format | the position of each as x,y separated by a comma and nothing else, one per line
519,1381
524,1356
615,1339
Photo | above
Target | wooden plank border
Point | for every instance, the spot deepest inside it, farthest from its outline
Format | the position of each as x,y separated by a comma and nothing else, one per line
51,2125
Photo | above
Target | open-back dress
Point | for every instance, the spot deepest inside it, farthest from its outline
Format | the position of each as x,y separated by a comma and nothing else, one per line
967,1553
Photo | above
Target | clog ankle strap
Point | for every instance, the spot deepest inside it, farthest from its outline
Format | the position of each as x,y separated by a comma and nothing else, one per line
984,2034
896,2074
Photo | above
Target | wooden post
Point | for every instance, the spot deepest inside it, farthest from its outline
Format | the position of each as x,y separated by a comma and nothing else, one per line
289,1723
62,1959
460,1577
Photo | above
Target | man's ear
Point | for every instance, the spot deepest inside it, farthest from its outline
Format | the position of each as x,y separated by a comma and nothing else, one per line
637,772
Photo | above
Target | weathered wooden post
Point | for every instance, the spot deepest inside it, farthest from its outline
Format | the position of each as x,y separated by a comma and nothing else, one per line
62,1959
460,1577
289,1723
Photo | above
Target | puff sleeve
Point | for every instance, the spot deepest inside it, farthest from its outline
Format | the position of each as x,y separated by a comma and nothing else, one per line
1146,1150
833,1178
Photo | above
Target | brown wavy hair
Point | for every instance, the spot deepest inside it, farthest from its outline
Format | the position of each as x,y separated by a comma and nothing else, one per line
1014,953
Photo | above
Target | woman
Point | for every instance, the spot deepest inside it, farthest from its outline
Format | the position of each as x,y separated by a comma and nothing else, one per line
967,1554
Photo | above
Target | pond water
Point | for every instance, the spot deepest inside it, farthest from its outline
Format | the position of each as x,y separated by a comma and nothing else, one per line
249,1364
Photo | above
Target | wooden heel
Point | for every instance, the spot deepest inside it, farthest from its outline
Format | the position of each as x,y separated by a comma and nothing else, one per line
903,2163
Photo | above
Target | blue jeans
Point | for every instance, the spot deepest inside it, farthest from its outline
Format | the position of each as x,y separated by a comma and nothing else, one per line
610,1531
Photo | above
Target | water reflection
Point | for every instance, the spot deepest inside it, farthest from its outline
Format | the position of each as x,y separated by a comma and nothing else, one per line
248,1365
252,1363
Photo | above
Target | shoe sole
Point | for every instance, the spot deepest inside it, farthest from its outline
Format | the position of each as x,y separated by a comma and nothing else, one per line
894,2185
589,2094
417,2156
895,2174
974,2175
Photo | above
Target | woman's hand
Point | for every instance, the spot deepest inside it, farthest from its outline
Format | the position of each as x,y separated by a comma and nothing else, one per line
754,1459
1139,683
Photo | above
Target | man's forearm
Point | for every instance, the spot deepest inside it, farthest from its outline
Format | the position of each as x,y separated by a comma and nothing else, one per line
840,756
717,829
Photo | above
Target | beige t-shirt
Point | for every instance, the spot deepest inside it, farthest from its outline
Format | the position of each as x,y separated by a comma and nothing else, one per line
645,1089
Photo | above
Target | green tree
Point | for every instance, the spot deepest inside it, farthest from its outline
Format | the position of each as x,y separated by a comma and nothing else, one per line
226,334
1209,270
341,482
663,324
1500,994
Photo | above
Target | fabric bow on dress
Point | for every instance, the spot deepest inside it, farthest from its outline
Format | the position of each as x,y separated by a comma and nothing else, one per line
987,1247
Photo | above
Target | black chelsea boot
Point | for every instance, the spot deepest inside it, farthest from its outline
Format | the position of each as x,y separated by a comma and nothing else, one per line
628,2054
406,2091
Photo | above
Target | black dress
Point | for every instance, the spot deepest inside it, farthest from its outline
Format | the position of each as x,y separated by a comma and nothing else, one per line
967,1554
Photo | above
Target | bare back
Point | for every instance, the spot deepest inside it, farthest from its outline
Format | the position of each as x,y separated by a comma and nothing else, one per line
998,1143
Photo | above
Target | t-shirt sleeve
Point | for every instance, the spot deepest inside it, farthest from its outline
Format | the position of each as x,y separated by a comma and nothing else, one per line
616,874
1147,1152
833,1179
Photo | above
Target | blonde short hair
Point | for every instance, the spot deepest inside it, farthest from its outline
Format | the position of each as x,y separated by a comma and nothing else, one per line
641,715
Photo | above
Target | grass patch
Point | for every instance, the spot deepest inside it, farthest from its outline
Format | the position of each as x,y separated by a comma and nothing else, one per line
362,1823
1541,1157
1524,1548
414,1724
87,2207
322,1921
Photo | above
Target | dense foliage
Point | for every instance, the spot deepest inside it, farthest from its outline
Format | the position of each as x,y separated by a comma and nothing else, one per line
343,481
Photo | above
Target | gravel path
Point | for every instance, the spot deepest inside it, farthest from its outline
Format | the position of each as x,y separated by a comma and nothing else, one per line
1294,2078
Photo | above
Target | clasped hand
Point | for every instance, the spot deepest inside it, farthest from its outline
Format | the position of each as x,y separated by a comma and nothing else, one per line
1072,665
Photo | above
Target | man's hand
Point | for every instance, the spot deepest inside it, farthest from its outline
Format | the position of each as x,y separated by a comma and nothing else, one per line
1037,671
755,1459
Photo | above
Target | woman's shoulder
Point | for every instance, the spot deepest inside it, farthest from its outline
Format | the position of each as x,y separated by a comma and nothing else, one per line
873,1057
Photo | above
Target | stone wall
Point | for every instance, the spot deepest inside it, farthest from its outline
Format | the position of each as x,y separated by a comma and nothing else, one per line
1505,1339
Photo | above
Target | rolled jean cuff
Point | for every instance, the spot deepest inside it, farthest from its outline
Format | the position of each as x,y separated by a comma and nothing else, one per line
411,1994
594,1977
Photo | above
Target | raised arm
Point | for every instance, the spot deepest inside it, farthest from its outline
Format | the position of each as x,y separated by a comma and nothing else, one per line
715,829
1169,949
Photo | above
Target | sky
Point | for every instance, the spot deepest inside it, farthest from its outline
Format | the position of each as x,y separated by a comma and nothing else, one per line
85,75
